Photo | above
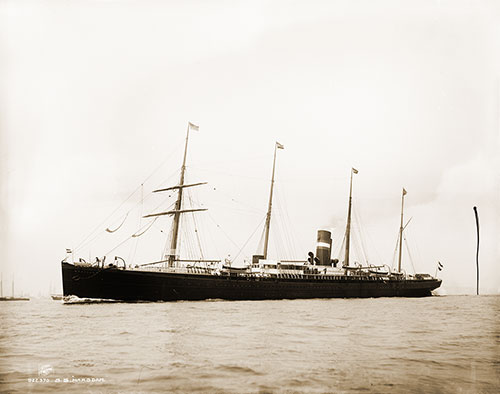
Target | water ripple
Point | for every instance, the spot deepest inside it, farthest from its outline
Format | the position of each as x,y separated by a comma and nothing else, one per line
440,344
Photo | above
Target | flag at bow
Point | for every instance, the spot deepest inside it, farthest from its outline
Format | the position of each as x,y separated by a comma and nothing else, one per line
279,146
404,192
440,266
192,126
354,170
68,251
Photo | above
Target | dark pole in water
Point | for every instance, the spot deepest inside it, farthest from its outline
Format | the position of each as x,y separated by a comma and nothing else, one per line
477,252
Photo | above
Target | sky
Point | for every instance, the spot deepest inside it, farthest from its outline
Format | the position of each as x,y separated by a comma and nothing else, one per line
95,97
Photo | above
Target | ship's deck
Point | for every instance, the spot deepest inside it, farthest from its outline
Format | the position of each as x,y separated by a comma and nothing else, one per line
210,272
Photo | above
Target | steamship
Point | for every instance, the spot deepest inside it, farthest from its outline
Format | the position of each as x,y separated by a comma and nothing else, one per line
173,278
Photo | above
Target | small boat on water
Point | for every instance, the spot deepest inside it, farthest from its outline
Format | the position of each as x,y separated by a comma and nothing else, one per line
57,297
14,299
172,278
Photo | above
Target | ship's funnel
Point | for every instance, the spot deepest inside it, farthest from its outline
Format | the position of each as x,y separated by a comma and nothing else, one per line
324,247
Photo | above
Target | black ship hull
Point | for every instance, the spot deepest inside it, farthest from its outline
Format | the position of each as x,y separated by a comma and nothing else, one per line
134,285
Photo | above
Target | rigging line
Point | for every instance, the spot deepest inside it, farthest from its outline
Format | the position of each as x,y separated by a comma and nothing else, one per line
344,241
161,203
147,228
130,253
117,246
278,240
336,252
236,210
229,174
286,236
354,237
168,241
293,238
168,157
250,237
195,226
223,232
187,239
121,224
105,220
121,243
341,251
374,247
361,233
283,235
203,234
149,194
336,245
413,245
362,245
198,237
140,221
190,241
99,234
164,182
287,239
282,223
409,254
254,209
182,240
357,246
419,256
88,241
212,239
123,202
260,245
274,237
239,160
276,245
133,249
393,263
184,248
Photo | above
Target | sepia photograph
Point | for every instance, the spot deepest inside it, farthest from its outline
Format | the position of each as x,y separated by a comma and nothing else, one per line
280,196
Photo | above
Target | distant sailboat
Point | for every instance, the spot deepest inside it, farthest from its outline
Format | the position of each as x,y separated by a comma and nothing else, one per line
53,295
12,298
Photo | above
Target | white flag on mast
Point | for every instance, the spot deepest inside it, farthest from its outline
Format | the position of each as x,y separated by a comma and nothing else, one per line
192,126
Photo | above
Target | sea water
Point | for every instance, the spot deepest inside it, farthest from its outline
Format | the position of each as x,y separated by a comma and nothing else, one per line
446,344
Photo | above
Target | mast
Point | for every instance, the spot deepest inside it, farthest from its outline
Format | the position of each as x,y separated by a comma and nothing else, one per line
348,226
268,216
477,251
401,230
178,203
